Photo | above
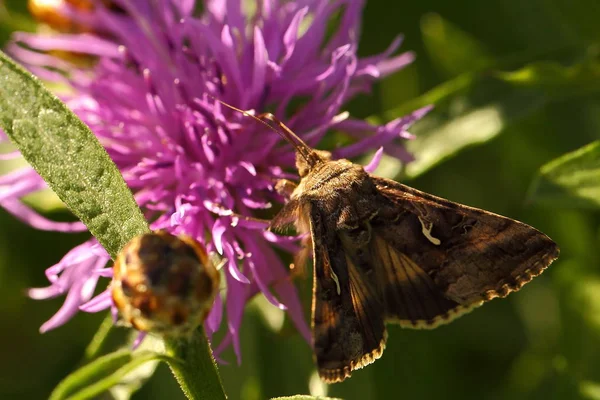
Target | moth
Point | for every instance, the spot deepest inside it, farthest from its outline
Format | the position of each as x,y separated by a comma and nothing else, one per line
385,252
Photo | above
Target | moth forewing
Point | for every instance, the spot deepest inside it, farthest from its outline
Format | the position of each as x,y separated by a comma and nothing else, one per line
347,315
480,255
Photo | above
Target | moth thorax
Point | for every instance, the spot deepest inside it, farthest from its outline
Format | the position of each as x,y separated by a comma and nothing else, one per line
337,178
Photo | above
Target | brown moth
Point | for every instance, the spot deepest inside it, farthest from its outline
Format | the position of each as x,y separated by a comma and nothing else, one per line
385,252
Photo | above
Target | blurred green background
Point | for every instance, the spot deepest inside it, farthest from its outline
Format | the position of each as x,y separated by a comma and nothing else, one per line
483,146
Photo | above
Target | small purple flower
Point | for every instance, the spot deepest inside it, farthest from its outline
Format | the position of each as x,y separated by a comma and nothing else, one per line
193,165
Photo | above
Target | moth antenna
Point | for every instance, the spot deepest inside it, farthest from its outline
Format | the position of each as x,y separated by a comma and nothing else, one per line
288,135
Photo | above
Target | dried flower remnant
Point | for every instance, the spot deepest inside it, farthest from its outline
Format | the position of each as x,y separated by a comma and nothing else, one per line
195,167
56,13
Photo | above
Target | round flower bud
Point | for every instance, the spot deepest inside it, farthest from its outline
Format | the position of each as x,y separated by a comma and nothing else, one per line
164,283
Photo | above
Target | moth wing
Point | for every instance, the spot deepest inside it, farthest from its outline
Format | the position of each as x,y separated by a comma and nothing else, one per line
410,295
469,254
347,313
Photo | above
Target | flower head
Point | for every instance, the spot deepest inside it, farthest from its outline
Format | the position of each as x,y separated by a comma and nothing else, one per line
194,166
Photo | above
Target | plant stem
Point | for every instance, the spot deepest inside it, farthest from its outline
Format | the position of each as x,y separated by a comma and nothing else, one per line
94,349
197,373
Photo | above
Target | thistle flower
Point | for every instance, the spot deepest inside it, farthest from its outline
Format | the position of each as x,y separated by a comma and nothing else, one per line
193,166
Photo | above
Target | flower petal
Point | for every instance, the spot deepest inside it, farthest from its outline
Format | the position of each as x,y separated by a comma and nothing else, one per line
374,163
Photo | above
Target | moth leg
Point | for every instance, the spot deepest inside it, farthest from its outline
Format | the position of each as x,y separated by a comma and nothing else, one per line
298,267
285,188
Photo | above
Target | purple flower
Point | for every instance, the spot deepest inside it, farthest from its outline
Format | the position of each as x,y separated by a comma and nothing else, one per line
193,165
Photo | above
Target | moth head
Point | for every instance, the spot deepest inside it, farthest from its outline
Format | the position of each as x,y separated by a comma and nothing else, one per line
305,162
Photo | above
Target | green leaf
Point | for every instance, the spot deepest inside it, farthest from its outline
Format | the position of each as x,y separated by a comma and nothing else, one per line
470,110
578,19
451,49
94,348
68,156
102,374
135,379
589,390
13,20
476,106
572,180
107,337
556,79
